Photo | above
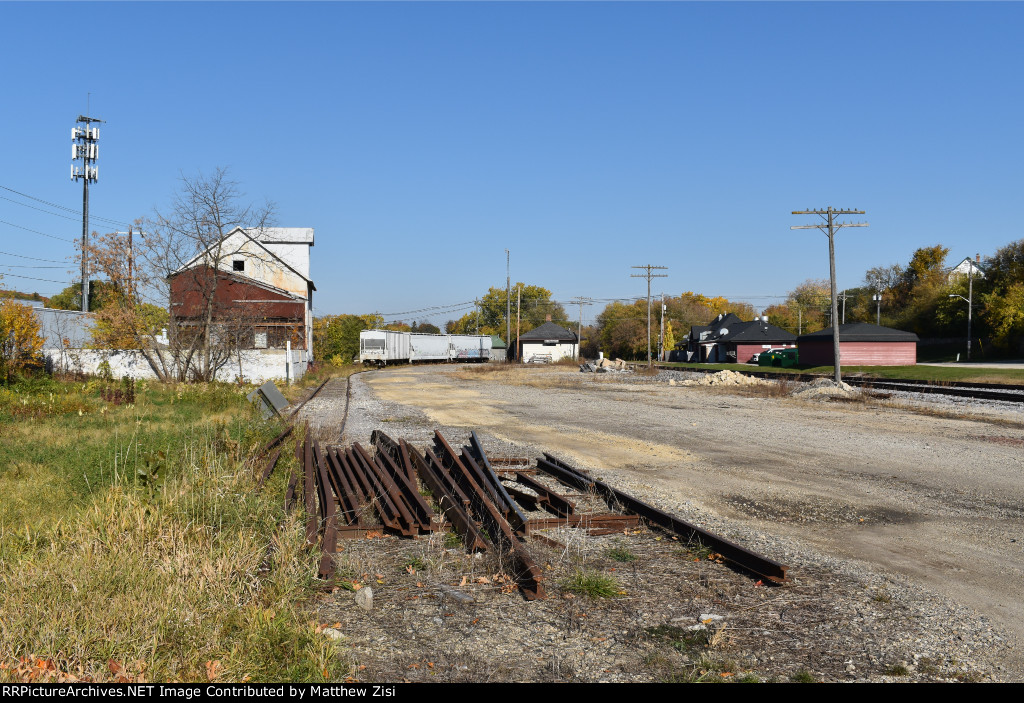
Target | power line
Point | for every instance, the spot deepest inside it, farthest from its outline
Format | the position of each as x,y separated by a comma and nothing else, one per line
33,231
55,205
33,258
33,278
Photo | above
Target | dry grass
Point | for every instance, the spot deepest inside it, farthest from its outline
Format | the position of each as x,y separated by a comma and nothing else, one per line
144,553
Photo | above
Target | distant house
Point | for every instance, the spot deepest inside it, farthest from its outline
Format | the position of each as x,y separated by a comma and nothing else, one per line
966,267
261,287
860,344
728,339
547,343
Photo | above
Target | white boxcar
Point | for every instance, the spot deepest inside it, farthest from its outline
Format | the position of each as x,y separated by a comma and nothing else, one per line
428,347
469,347
383,347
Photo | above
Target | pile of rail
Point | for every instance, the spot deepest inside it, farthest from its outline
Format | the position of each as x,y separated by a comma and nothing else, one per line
350,492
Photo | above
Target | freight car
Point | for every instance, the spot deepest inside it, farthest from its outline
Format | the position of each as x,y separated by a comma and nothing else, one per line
382,347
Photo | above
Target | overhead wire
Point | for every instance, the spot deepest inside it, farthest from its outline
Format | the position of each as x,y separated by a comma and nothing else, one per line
58,206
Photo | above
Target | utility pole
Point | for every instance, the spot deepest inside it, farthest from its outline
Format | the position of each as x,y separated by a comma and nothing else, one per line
84,147
508,305
581,301
830,227
844,296
661,339
519,301
476,302
649,275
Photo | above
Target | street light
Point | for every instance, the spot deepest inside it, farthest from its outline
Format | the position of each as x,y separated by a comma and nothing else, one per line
969,307
877,297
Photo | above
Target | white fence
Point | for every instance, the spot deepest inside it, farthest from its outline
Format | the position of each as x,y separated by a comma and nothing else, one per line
255,366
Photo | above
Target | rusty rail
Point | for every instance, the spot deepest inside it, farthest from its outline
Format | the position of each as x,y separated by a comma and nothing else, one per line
740,556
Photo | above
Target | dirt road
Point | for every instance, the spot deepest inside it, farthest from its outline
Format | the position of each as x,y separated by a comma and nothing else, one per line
935,497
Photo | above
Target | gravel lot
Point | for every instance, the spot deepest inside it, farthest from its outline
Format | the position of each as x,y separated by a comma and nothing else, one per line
899,516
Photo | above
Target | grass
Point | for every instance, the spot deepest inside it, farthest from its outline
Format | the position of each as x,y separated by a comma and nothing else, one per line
803,676
591,584
131,539
896,670
962,373
621,554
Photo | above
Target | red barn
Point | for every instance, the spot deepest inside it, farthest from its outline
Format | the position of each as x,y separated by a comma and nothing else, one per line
860,344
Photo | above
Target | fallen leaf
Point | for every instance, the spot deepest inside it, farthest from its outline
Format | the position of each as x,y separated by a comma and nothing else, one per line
113,666
213,669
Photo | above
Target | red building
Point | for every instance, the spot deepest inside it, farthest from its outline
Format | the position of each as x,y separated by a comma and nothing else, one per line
860,344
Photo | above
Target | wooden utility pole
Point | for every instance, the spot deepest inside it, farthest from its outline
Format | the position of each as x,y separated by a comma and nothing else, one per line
519,301
508,305
649,275
830,227
581,301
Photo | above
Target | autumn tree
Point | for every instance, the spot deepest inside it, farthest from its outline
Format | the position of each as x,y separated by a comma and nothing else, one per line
534,304
1002,296
20,338
336,337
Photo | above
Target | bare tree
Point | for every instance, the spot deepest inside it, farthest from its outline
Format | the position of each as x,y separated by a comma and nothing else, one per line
185,247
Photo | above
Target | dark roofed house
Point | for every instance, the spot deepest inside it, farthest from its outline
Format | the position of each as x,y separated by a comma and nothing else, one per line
547,343
727,338
860,344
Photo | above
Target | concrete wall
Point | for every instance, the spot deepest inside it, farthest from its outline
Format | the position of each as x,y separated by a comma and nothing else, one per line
258,365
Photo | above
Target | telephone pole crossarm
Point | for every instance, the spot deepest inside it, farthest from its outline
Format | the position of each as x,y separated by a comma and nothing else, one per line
829,227
649,268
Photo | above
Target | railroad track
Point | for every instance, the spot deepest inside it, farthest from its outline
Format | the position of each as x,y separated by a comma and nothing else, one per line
351,492
978,391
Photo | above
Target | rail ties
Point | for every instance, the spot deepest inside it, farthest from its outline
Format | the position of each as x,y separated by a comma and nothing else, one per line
343,487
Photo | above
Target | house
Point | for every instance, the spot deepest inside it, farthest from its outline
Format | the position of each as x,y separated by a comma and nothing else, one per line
967,267
546,344
259,284
728,339
860,344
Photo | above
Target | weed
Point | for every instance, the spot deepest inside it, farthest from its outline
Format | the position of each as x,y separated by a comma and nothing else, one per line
451,540
896,670
803,676
415,564
882,597
592,584
927,665
681,639
621,554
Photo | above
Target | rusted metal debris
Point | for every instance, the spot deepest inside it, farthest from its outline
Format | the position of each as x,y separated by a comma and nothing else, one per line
351,492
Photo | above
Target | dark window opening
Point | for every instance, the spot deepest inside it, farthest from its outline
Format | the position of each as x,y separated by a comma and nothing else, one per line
238,265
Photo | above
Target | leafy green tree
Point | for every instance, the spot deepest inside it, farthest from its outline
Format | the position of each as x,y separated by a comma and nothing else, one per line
101,294
336,337
534,305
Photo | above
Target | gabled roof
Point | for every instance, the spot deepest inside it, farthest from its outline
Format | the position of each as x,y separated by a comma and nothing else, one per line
549,330
754,332
861,332
757,332
249,234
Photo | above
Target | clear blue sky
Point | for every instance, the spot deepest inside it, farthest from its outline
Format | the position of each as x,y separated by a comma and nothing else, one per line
421,140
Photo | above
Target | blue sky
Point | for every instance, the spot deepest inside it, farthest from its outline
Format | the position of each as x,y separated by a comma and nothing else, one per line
422,140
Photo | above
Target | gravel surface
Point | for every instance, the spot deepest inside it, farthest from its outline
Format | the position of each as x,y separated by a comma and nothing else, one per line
905,559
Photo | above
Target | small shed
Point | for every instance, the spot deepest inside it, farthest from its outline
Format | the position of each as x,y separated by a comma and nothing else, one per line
499,349
860,344
546,344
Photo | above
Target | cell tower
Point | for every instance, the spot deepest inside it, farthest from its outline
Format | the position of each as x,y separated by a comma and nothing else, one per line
85,148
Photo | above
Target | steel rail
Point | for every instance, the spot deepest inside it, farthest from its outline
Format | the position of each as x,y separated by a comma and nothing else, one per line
742,557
